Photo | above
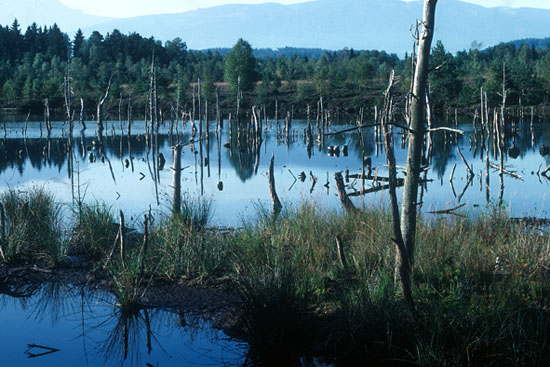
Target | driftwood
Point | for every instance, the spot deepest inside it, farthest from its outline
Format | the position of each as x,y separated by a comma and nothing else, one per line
452,174
82,123
448,211
145,242
100,106
47,120
446,129
351,129
399,181
313,182
341,189
510,173
121,232
272,192
468,168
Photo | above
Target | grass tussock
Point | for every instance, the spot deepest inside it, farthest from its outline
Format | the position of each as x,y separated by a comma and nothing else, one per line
31,227
95,231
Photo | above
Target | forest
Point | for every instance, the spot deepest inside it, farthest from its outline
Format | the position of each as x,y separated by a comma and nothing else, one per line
34,62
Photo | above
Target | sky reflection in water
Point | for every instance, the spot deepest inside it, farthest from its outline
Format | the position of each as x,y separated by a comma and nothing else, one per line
89,330
130,187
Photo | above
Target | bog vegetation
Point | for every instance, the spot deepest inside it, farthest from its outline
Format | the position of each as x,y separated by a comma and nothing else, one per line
481,282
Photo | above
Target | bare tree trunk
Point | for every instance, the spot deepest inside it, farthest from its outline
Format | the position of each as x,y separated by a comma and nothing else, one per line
100,107
176,206
274,197
414,154
392,179
341,190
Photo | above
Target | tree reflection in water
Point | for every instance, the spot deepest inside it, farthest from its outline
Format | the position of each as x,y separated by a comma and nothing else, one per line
94,328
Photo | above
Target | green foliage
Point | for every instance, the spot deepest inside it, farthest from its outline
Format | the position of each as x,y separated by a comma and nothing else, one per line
443,81
33,65
240,67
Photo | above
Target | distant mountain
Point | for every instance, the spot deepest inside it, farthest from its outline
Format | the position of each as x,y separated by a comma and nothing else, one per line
321,24
335,24
45,12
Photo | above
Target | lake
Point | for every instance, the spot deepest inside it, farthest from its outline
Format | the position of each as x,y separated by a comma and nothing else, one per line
121,170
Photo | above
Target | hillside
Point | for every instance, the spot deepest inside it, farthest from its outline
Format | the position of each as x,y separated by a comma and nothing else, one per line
45,12
335,24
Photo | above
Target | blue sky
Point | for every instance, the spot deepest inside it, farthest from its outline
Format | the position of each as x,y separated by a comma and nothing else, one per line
130,8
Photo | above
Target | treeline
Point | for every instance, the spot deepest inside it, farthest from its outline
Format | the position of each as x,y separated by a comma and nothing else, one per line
34,62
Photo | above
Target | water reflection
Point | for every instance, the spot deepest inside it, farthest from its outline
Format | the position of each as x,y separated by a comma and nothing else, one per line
70,325
229,166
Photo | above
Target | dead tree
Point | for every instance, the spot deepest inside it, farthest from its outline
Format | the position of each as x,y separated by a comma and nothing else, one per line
273,193
100,107
176,206
82,123
406,242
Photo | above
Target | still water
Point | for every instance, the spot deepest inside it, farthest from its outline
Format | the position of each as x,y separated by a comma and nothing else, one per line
120,170
60,325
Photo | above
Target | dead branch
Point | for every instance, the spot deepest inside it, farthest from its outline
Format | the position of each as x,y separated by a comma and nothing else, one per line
504,170
448,211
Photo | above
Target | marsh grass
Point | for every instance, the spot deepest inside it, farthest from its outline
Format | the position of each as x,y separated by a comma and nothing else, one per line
129,278
276,312
195,212
94,232
32,227
186,249
481,287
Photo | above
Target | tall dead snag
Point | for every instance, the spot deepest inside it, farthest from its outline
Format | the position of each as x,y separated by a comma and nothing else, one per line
392,170
47,120
82,123
414,154
176,206
274,197
100,107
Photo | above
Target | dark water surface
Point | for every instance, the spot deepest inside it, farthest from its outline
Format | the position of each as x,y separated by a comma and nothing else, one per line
88,329
121,171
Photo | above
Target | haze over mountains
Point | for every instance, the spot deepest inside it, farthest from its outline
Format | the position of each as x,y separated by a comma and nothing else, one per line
328,24
46,12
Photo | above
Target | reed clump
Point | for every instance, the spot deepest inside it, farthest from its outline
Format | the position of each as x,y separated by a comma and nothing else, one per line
31,227
94,232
